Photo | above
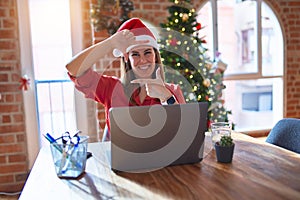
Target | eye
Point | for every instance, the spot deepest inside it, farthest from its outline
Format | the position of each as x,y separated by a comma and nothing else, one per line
149,52
135,54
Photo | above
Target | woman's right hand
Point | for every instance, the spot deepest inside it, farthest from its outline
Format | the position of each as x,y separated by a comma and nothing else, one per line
124,39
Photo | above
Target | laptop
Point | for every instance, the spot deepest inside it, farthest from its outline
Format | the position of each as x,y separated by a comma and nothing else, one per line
147,138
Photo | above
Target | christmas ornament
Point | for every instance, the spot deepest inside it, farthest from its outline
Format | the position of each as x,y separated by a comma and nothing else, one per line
221,66
185,17
186,56
173,42
209,65
24,83
206,82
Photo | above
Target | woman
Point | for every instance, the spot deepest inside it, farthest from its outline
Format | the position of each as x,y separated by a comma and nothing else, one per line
142,75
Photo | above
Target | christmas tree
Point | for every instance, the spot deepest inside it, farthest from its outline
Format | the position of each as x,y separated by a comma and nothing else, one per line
110,14
186,61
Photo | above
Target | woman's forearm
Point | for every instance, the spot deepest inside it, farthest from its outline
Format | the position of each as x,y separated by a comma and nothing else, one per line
85,59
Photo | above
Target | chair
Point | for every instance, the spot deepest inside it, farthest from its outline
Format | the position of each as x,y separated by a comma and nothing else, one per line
286,134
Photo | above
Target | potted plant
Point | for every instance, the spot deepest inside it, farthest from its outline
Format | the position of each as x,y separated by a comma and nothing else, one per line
224,149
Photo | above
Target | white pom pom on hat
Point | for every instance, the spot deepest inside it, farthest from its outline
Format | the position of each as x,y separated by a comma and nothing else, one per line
140,31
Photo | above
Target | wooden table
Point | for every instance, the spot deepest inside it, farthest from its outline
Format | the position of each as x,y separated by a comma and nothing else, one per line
258,171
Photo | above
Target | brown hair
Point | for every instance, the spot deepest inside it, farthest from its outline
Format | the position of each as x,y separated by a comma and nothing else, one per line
127,76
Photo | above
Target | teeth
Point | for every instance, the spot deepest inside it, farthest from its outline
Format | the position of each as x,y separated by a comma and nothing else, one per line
144,67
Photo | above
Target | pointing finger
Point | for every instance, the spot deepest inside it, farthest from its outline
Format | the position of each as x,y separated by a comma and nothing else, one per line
158,74
145,81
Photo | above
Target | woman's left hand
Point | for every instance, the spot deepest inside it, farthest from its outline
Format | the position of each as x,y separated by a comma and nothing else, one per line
155,87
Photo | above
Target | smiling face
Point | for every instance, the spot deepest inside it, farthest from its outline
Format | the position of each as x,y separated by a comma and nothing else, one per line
142,59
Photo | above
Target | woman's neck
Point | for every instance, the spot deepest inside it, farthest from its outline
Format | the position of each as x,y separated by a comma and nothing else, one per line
143,94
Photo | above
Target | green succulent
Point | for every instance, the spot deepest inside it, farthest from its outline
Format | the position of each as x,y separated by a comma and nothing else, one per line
226,141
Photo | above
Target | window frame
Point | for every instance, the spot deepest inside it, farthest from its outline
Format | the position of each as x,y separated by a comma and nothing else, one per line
242,76
260,74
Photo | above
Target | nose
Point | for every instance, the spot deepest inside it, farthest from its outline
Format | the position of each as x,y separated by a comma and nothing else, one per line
143,59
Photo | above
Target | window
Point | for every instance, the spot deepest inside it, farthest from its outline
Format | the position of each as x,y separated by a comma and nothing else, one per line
51,48
46,46
249,38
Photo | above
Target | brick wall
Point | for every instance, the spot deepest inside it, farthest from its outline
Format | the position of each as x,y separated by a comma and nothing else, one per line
13,149
290,16
13,156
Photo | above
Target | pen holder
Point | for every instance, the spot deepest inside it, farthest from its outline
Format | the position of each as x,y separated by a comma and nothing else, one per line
70,159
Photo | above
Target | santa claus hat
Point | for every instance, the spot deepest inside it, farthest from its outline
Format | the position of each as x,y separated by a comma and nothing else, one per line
140,31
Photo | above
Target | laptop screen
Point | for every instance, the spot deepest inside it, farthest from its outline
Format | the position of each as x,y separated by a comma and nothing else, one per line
146,138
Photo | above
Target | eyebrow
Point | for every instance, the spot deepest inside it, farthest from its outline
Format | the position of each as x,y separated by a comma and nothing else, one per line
143,51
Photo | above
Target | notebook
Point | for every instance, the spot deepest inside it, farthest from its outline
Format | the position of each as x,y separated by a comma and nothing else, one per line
147,138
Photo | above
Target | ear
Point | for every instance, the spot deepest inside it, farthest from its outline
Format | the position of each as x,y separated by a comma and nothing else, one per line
126,57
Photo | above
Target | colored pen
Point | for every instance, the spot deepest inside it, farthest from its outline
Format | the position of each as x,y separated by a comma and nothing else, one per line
52,140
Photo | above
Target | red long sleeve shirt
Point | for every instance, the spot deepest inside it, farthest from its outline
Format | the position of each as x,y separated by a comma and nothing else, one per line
109,91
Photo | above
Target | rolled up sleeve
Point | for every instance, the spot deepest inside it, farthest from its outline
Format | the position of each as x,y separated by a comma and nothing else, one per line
87,83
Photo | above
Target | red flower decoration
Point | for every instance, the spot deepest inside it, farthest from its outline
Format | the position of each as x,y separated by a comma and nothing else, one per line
24,83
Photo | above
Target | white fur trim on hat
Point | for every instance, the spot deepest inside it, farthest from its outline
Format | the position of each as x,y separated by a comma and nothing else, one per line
152,42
